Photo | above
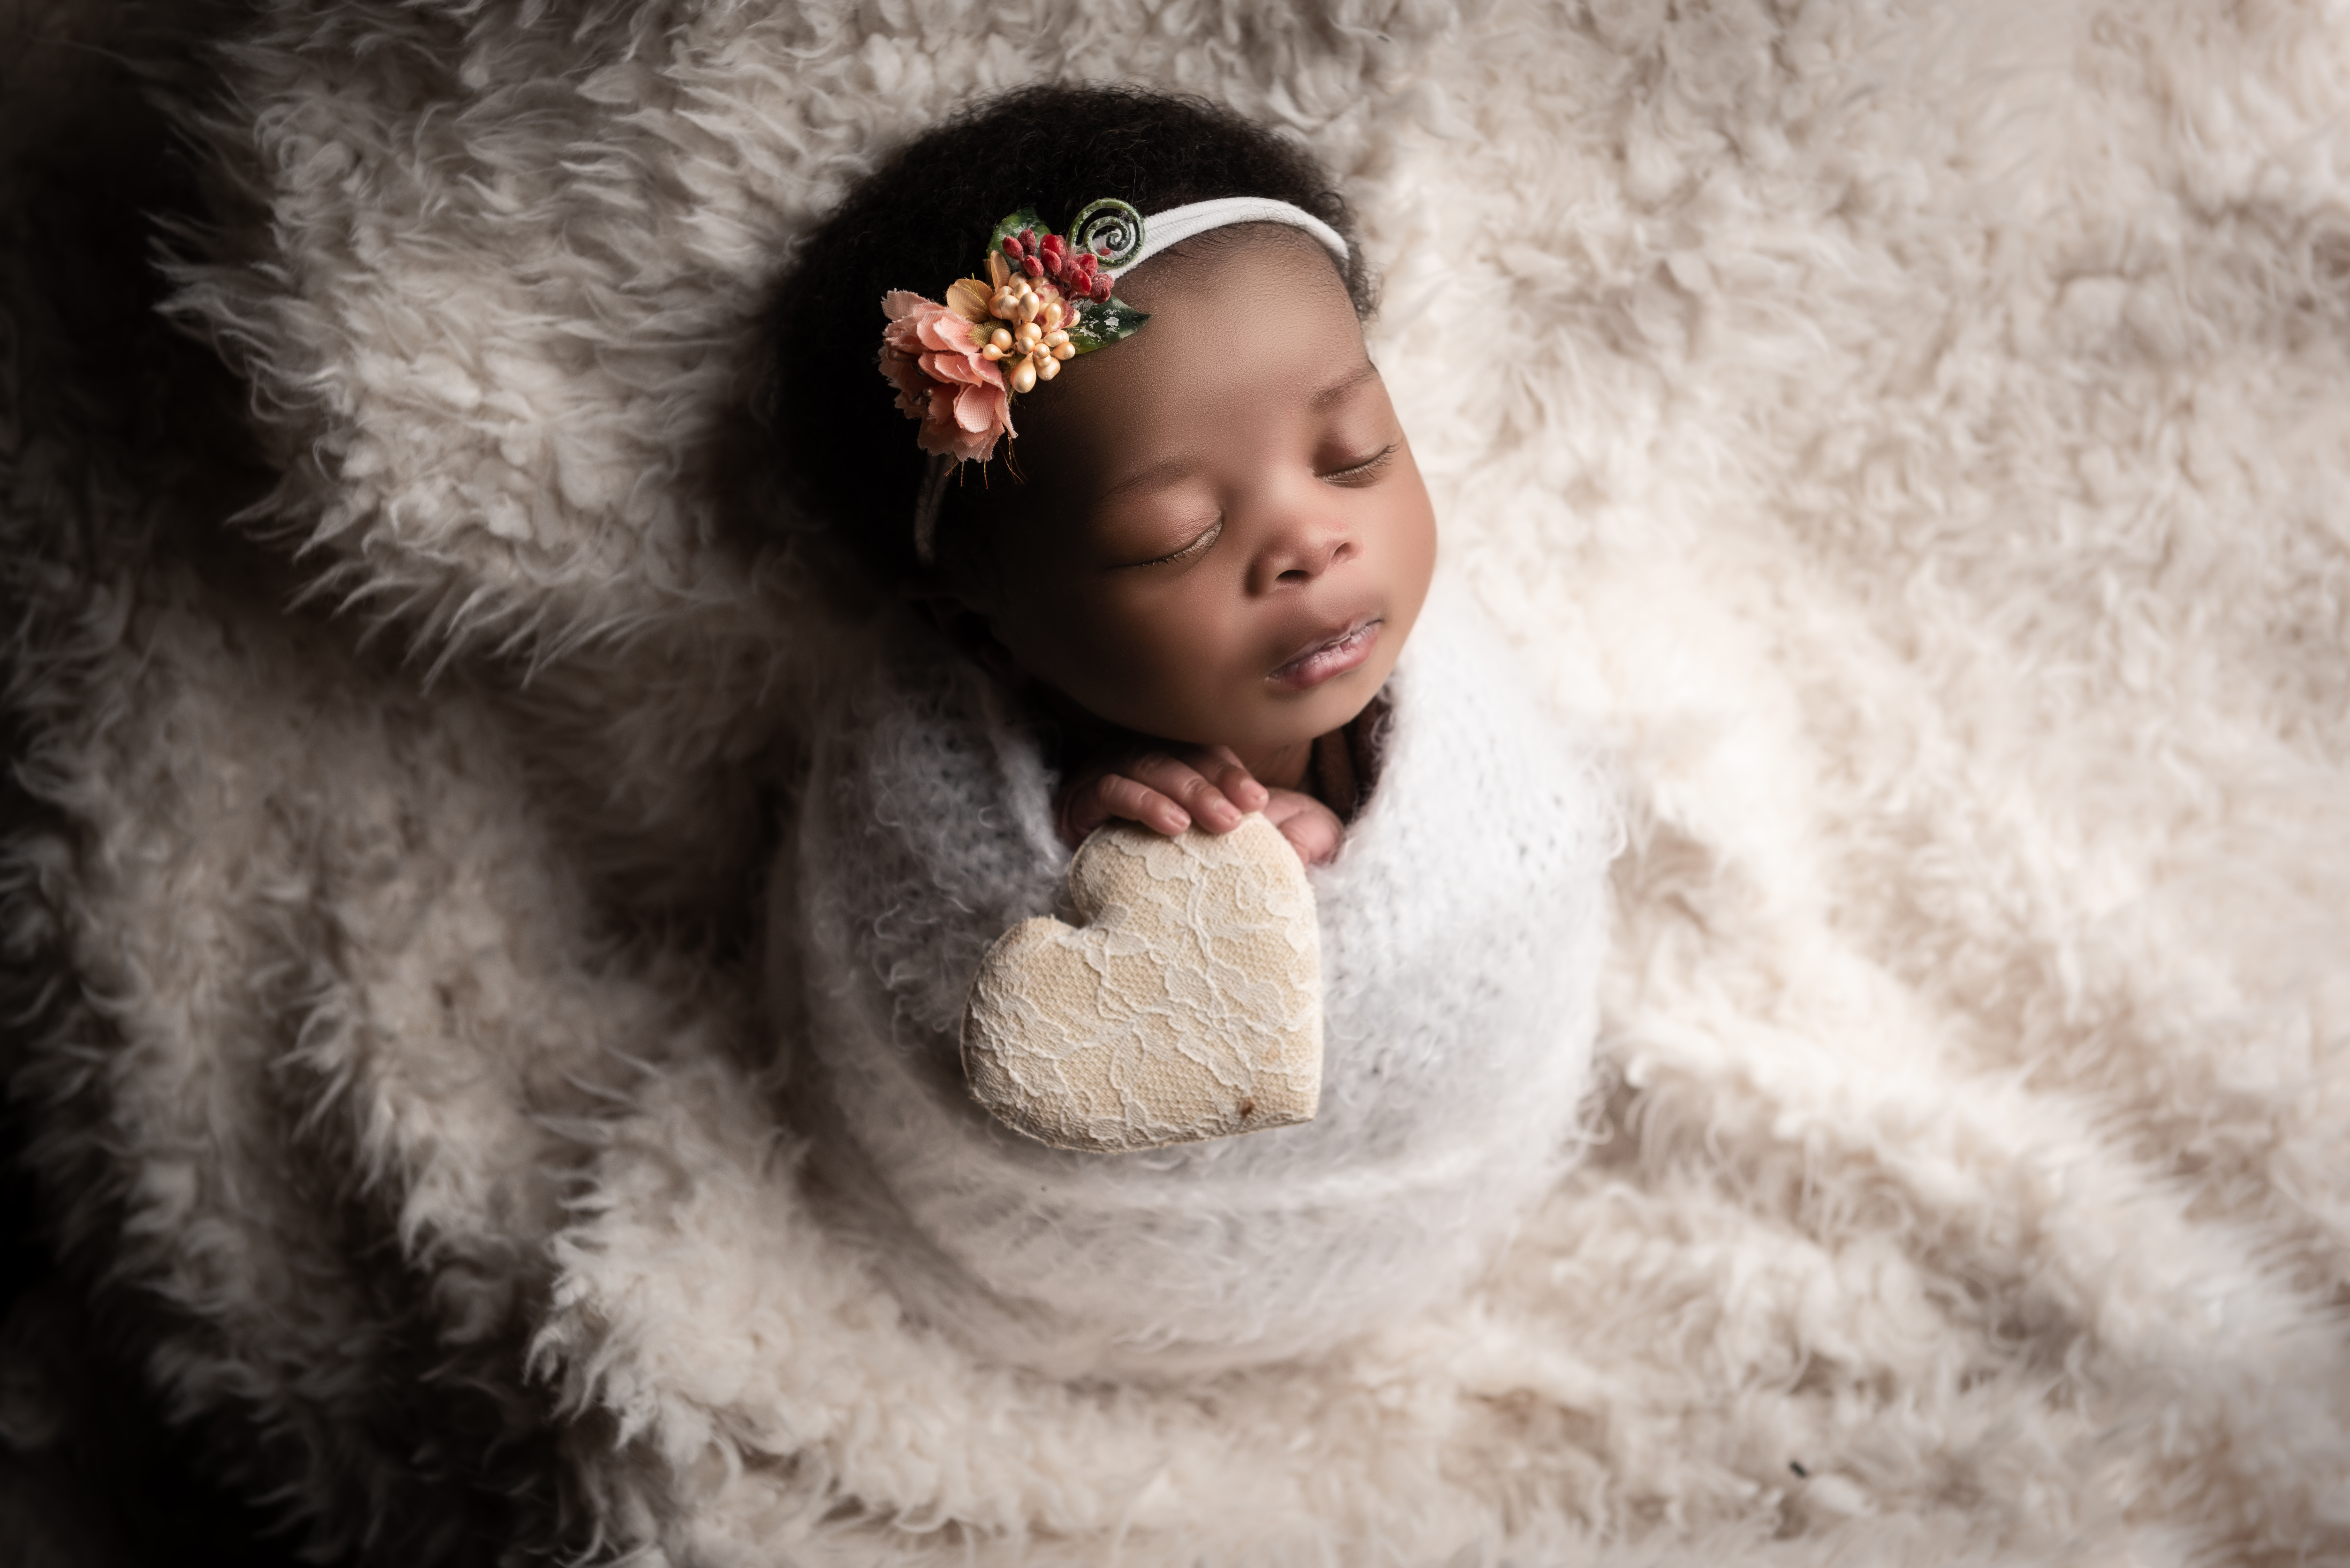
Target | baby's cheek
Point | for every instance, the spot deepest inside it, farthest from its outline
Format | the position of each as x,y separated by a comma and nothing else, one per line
1184,671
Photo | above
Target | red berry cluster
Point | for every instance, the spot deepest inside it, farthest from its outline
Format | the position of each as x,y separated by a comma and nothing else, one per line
1077,271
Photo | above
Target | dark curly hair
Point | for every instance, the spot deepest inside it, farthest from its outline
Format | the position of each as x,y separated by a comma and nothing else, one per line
921,220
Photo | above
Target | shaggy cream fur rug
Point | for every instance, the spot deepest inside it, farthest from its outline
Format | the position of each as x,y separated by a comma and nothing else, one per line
1916,436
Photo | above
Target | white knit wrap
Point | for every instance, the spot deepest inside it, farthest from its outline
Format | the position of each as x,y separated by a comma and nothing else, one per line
1462,927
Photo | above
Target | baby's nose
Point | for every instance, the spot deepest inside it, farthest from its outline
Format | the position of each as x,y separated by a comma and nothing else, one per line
1305,551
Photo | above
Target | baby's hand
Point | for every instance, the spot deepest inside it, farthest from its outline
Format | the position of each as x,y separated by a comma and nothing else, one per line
1312,828
1165,792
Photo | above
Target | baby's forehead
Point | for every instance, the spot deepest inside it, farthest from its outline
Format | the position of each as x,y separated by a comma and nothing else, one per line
1260,309
1221,305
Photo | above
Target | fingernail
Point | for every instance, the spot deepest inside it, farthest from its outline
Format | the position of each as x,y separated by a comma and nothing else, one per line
1181,820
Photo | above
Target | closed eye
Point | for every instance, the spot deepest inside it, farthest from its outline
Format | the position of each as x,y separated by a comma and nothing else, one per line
1198,547
1369,468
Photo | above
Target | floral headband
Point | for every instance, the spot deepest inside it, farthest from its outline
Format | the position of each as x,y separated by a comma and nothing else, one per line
1045,299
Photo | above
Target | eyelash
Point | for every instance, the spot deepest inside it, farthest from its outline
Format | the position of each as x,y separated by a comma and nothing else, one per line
1370,465
1199,542
1364,469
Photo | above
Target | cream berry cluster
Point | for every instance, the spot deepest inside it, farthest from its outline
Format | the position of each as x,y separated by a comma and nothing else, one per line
1034,340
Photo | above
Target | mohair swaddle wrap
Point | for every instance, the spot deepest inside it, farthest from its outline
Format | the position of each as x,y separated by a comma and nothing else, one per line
1462,927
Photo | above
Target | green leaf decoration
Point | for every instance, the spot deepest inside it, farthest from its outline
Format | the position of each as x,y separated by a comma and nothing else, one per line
1110,229
1098,322
1025,218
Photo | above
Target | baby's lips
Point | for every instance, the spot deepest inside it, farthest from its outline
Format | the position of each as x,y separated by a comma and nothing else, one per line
1332,654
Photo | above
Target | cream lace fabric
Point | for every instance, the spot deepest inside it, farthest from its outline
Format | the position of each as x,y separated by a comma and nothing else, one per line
1187,1004
1460,930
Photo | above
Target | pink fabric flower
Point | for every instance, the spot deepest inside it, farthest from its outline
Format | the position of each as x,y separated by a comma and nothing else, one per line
932,354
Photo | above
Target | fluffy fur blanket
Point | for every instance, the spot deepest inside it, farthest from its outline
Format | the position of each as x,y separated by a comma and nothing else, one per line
1914,436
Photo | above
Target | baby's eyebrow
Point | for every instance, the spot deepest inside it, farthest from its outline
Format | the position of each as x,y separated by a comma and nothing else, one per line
1158,473
1336,389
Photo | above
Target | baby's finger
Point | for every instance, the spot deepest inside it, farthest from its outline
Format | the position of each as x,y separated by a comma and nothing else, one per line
1222,768
1084,807
1134,801
1182,784
1312,828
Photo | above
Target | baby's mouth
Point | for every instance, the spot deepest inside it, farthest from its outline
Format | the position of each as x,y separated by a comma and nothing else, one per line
1329,656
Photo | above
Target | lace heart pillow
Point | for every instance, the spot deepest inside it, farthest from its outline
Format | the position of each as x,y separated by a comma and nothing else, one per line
1188,1005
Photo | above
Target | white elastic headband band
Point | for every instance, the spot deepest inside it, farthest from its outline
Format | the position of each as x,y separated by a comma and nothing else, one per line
1176,224
1160,231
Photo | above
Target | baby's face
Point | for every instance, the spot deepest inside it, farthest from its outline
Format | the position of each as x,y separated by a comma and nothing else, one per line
1222,537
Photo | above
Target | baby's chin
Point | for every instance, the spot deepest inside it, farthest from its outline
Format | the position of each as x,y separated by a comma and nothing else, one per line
1278,726
1332,705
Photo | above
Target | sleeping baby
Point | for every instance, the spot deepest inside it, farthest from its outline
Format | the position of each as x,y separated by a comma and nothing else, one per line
1155,551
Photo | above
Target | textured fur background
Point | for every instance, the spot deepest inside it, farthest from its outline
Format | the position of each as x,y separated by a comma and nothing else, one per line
1916,435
